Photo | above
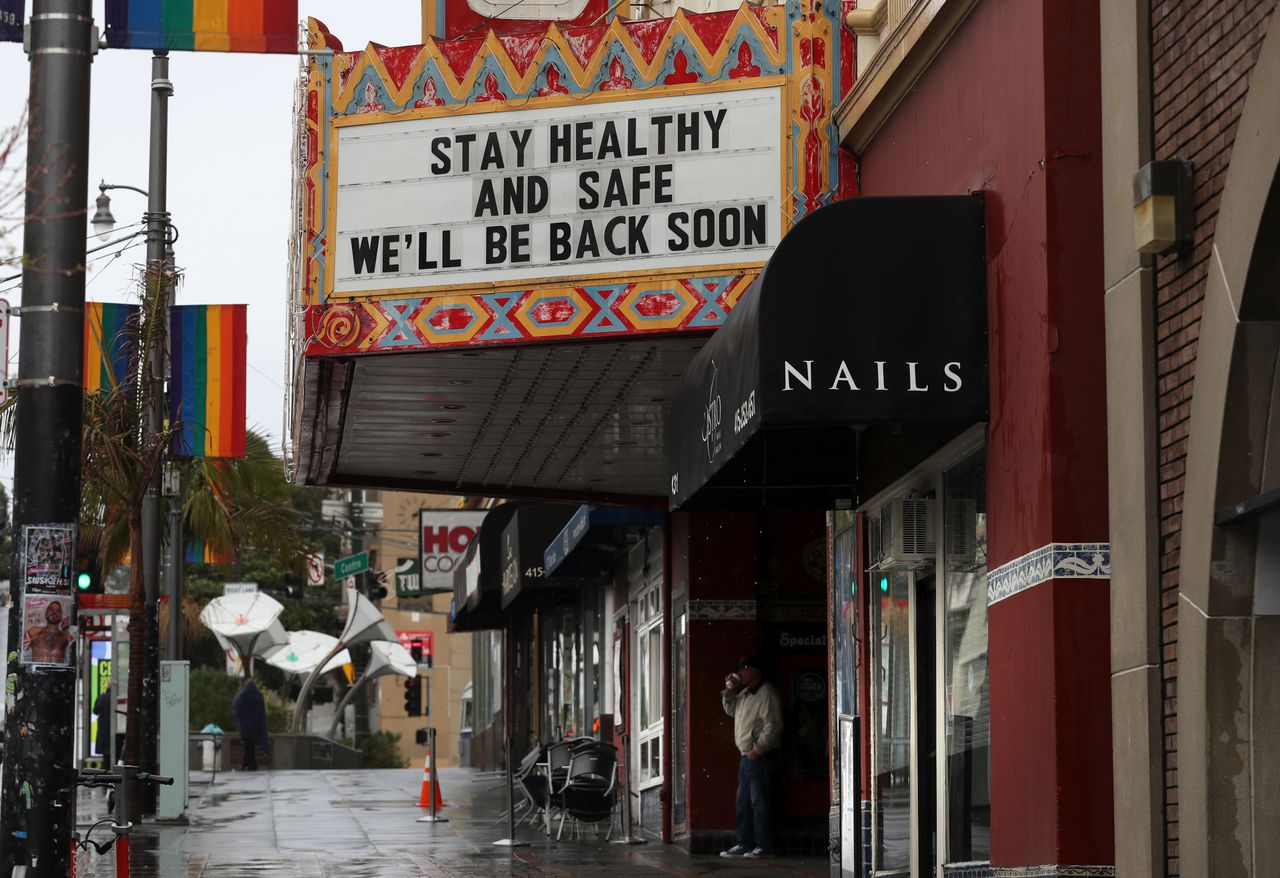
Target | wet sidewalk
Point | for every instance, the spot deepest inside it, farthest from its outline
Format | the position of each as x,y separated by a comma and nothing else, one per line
362,824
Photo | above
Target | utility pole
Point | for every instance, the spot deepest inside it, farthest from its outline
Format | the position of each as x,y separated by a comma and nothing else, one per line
158,287
360,654
37,807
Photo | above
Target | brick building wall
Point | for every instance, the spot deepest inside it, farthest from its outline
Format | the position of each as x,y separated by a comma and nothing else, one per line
1202,52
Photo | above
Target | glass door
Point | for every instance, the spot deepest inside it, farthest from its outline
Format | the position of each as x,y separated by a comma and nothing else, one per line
929,720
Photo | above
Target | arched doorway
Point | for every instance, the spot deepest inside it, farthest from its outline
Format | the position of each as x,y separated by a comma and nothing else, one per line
1229,599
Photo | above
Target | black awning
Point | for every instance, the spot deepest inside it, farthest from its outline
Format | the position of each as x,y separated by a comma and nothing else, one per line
477,580
870,311
524,540
588,545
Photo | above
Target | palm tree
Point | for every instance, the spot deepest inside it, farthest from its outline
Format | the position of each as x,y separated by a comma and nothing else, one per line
230,504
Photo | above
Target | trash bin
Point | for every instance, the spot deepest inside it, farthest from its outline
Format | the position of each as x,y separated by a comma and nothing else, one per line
210,747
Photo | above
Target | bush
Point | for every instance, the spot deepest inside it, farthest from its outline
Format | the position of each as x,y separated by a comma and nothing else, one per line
212,692
380,750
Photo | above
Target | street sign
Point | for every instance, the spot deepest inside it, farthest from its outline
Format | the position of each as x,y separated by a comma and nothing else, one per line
351,565
408,575
239,587
315,569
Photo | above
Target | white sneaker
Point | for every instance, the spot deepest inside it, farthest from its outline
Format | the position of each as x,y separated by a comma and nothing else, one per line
738,850
754,854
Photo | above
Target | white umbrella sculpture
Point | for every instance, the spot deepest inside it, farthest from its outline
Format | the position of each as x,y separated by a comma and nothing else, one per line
386,658
364,624
248,624
304,651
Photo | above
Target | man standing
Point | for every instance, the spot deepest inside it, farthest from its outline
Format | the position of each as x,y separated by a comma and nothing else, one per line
251,719
756,709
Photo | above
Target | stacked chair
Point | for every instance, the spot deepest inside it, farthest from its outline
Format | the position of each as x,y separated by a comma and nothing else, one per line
578,779
588,789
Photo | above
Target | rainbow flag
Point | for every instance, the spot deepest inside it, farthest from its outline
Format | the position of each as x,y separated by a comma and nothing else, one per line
200,552
207,383
204,25
110,345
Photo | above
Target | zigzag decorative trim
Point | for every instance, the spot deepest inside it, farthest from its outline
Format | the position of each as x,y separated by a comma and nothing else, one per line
1053,871
1054,561
695,304
722,611
678,51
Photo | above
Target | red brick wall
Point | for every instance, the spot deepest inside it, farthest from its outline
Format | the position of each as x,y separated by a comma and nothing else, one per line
1202,54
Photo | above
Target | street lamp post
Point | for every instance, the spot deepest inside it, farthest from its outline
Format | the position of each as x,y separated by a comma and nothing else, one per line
159,287
156,294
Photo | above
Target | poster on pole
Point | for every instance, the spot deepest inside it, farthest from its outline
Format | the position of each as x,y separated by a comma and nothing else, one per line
48,552
46,631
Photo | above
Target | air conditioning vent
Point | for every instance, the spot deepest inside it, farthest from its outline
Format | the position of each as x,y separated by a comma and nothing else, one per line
901,533
960,532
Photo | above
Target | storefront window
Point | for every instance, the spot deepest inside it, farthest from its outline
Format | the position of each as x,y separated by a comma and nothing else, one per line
679,732
891,621
967,705
648,615
844,618
570,668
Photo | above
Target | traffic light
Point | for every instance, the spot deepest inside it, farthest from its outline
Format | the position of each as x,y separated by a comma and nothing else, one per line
415,650
88,572
413,697
293,586
377,589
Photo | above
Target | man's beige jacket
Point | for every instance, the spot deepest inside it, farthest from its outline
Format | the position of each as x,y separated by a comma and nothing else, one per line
757,718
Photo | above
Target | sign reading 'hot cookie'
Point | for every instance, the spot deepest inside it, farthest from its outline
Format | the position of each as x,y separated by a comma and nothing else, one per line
616,186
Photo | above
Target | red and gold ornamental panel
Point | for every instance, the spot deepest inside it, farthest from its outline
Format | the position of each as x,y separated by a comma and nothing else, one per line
564,182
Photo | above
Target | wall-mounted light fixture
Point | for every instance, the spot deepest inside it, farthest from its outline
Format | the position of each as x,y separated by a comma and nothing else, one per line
1163,212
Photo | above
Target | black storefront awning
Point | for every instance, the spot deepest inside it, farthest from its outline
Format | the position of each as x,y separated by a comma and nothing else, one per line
871,311
524,580
588,544
477,580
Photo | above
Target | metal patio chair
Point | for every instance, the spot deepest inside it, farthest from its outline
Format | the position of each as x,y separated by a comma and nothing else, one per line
590,789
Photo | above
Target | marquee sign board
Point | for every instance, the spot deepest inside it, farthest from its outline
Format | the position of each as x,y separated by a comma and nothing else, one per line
481,199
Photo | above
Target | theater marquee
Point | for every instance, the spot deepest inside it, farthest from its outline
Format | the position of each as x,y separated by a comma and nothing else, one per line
616,186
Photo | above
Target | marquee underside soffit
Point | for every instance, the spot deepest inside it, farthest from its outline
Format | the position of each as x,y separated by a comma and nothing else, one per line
581,421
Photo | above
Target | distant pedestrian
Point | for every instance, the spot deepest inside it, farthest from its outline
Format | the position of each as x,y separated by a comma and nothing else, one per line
251,719
102,712
756,709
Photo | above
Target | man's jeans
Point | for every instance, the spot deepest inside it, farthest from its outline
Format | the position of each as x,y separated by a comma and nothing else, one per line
755,801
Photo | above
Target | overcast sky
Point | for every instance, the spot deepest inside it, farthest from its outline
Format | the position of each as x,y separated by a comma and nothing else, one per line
229,174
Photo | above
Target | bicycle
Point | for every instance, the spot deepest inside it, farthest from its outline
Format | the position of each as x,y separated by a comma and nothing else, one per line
119,781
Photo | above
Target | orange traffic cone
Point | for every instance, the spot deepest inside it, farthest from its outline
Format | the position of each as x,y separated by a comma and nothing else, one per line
429,786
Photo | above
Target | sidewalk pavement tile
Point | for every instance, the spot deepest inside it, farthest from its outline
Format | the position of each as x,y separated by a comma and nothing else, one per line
363,824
